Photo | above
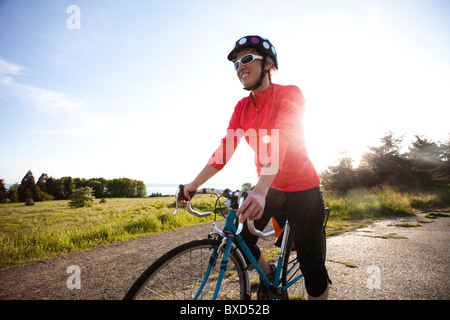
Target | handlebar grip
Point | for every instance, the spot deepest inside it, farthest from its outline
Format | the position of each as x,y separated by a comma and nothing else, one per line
259,233
254,231
196,213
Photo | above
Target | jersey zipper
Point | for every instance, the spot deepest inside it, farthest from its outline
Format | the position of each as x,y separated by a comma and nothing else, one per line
257,110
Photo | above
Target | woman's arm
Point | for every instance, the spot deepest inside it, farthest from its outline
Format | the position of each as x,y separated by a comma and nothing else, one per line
207,173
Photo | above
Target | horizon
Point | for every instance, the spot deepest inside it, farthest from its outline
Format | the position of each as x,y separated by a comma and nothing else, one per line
402,145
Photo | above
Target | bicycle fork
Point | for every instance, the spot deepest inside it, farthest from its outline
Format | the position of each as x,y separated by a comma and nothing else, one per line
227,241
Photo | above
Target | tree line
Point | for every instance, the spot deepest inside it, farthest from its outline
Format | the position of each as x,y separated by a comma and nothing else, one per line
424,165
49,188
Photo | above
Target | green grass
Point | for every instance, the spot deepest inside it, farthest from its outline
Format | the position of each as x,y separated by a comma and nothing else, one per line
50,229
435,215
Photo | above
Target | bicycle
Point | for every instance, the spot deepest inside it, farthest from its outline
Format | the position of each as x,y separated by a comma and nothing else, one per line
215,268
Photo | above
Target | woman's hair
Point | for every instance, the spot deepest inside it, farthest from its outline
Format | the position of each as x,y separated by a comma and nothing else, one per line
272,69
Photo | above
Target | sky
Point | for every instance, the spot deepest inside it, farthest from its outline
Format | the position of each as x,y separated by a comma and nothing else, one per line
143,89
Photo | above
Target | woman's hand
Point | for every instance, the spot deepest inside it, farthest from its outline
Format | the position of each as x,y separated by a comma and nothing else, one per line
208,172
190,187
253,206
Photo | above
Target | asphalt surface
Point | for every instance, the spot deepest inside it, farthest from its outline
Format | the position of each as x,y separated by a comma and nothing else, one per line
386,261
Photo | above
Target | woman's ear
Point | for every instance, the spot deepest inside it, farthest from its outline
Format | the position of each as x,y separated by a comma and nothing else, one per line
268,66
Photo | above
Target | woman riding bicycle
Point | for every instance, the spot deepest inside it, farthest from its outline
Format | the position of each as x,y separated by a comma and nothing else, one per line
270,119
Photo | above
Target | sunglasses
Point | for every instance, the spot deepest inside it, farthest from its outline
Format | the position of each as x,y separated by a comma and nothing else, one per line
249,58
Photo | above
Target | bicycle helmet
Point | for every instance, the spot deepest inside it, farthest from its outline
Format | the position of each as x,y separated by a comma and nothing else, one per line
261,44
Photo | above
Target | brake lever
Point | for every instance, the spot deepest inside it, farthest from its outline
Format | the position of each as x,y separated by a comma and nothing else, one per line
241,201
180,194
176,201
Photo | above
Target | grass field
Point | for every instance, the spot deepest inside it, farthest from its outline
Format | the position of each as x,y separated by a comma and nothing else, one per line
49,229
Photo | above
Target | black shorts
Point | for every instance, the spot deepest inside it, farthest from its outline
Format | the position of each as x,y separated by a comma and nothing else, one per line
305,211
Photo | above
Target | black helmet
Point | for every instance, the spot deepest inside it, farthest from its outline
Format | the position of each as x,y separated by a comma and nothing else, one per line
262,45
257,42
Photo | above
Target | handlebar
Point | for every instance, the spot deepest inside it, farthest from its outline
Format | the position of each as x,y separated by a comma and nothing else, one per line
236,196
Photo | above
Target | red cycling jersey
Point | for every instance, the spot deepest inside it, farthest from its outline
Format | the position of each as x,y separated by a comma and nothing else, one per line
271,122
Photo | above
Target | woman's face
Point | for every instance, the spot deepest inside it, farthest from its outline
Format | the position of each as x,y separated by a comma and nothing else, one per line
248,74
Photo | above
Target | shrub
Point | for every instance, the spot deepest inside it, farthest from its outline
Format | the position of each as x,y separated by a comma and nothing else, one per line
82,197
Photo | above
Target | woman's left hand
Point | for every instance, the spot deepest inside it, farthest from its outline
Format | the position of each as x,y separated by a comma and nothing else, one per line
253,206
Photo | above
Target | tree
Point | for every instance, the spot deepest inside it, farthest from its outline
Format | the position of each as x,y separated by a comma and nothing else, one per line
114,188
99,186
2,191
425,165
125,187
54,187
81,197
424,159
140,189
340,178
247,187
445,151
42,189
388,165
445,156
424,150
68,187
27,189
384,159
42,182
13,193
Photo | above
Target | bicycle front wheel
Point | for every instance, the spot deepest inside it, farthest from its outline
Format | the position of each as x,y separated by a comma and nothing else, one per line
179,274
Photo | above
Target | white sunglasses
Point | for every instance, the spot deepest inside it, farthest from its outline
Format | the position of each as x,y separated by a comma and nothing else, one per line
248,58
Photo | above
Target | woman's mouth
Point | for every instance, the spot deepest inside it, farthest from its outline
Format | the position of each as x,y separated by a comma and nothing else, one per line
244,75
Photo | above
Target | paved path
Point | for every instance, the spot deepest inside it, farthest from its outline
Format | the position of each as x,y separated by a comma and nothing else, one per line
412,263
386,261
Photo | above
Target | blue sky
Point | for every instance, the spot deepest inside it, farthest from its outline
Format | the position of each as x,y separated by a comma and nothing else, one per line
143,89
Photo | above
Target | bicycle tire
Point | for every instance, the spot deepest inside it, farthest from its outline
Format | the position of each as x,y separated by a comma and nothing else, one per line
290,271
179,273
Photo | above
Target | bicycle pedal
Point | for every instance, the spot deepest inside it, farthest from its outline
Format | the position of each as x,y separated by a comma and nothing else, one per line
271,293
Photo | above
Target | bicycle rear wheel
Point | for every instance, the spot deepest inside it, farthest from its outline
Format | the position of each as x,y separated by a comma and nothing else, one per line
291,270
178,274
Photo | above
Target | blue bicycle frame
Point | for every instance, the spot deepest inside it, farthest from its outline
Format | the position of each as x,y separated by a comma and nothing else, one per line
230,230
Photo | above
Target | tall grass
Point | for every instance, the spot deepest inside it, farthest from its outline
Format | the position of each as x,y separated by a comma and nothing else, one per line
383,202
360,206
49,229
